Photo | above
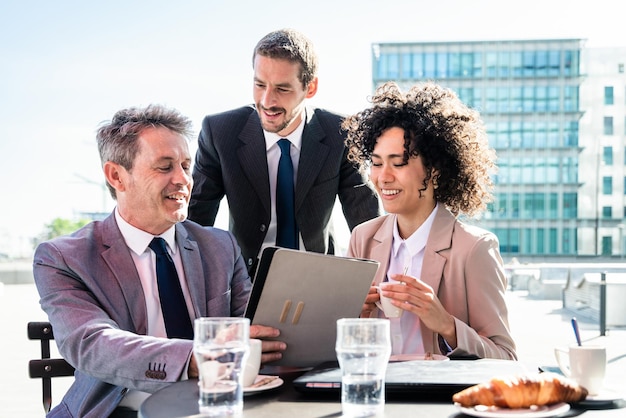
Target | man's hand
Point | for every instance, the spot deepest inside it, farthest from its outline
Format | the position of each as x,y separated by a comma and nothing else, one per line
271,349
192,370
370,302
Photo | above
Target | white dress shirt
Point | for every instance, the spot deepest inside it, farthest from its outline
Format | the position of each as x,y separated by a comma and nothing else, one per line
408,254
145,262
273,156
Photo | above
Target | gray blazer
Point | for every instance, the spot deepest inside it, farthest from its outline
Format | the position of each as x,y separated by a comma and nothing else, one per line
231,160
462,264
91,291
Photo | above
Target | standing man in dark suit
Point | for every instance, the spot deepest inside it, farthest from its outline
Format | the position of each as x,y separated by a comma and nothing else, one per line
238,156
102,287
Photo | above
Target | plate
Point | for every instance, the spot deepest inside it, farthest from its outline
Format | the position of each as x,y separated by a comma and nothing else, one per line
534,412
411,357
605,396
276,382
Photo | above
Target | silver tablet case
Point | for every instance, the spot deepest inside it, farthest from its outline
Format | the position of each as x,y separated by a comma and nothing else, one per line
303,294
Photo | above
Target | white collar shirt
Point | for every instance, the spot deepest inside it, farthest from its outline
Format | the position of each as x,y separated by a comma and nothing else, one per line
408,254
145,261
273,156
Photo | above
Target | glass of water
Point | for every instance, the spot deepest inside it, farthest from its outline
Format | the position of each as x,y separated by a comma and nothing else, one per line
363,348
220,347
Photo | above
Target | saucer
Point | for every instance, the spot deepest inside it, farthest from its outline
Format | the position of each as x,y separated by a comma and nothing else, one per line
606,396
273,384
495,412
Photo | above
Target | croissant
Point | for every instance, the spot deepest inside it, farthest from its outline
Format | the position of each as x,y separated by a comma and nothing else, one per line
522,392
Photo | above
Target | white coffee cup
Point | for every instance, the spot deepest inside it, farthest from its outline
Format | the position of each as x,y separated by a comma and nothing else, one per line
253,363
586,365
214,371
385,304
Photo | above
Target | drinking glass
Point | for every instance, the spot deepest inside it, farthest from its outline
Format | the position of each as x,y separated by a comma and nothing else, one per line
363,348
221,346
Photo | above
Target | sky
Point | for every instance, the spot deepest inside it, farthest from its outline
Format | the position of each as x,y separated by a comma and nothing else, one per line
67,66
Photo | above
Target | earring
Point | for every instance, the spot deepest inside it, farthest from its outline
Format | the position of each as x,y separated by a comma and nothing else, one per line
435,185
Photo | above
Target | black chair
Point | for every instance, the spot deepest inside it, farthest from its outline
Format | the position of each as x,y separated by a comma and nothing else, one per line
46,368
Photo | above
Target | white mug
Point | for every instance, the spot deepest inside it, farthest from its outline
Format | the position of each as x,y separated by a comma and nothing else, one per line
253,363
385,304
214,371
586,365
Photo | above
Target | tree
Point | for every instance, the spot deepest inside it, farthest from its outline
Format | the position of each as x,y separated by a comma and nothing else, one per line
58,227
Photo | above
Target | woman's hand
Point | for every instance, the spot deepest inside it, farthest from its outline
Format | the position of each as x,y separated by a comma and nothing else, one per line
417,297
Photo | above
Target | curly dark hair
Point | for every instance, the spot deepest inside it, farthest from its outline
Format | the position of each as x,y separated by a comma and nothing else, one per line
449,137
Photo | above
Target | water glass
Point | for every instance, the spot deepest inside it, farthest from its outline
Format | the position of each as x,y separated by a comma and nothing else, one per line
221,346
363,348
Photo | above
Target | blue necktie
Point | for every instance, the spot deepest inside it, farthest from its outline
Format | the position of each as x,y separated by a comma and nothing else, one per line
287,233
173,306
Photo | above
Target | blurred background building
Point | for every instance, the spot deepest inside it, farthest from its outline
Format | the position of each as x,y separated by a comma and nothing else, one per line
555,112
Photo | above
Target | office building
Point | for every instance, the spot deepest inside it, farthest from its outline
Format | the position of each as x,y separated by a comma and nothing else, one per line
544,106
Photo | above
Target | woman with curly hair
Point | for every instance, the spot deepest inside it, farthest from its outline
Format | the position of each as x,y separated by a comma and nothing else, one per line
429,160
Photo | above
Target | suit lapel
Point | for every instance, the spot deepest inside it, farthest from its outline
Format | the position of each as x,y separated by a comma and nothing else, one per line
382,250
312,156
121,265
253,158
440,238
190,256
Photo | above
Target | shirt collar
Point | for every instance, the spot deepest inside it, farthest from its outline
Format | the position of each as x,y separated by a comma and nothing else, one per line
138,240
295,137
417,241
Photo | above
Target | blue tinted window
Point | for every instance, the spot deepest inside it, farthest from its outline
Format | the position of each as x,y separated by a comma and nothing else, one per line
554,63
430,65
607,185
608,95
418,65
442,65
570,205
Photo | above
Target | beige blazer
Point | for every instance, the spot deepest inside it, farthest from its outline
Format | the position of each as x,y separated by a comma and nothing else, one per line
468,278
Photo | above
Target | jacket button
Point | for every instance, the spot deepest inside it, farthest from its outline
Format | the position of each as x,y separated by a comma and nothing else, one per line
262,228
250,261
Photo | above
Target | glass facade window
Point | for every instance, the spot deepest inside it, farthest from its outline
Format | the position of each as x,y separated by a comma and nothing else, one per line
527,241
540,241
607,212
553,205
553,241
568,248
608,95
607,155
607,185
607,245
608,125
570,205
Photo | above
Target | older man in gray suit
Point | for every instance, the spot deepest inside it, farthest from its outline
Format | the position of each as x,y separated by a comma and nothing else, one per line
101,288
239,153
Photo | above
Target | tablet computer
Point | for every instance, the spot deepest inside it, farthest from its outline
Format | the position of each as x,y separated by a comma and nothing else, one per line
303,294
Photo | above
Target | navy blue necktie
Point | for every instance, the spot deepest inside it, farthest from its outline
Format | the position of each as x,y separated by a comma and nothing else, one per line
173,306
287,230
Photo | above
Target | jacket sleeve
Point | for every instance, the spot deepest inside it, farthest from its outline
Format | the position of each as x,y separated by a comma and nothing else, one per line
208,187
486,334
87,328
359,201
